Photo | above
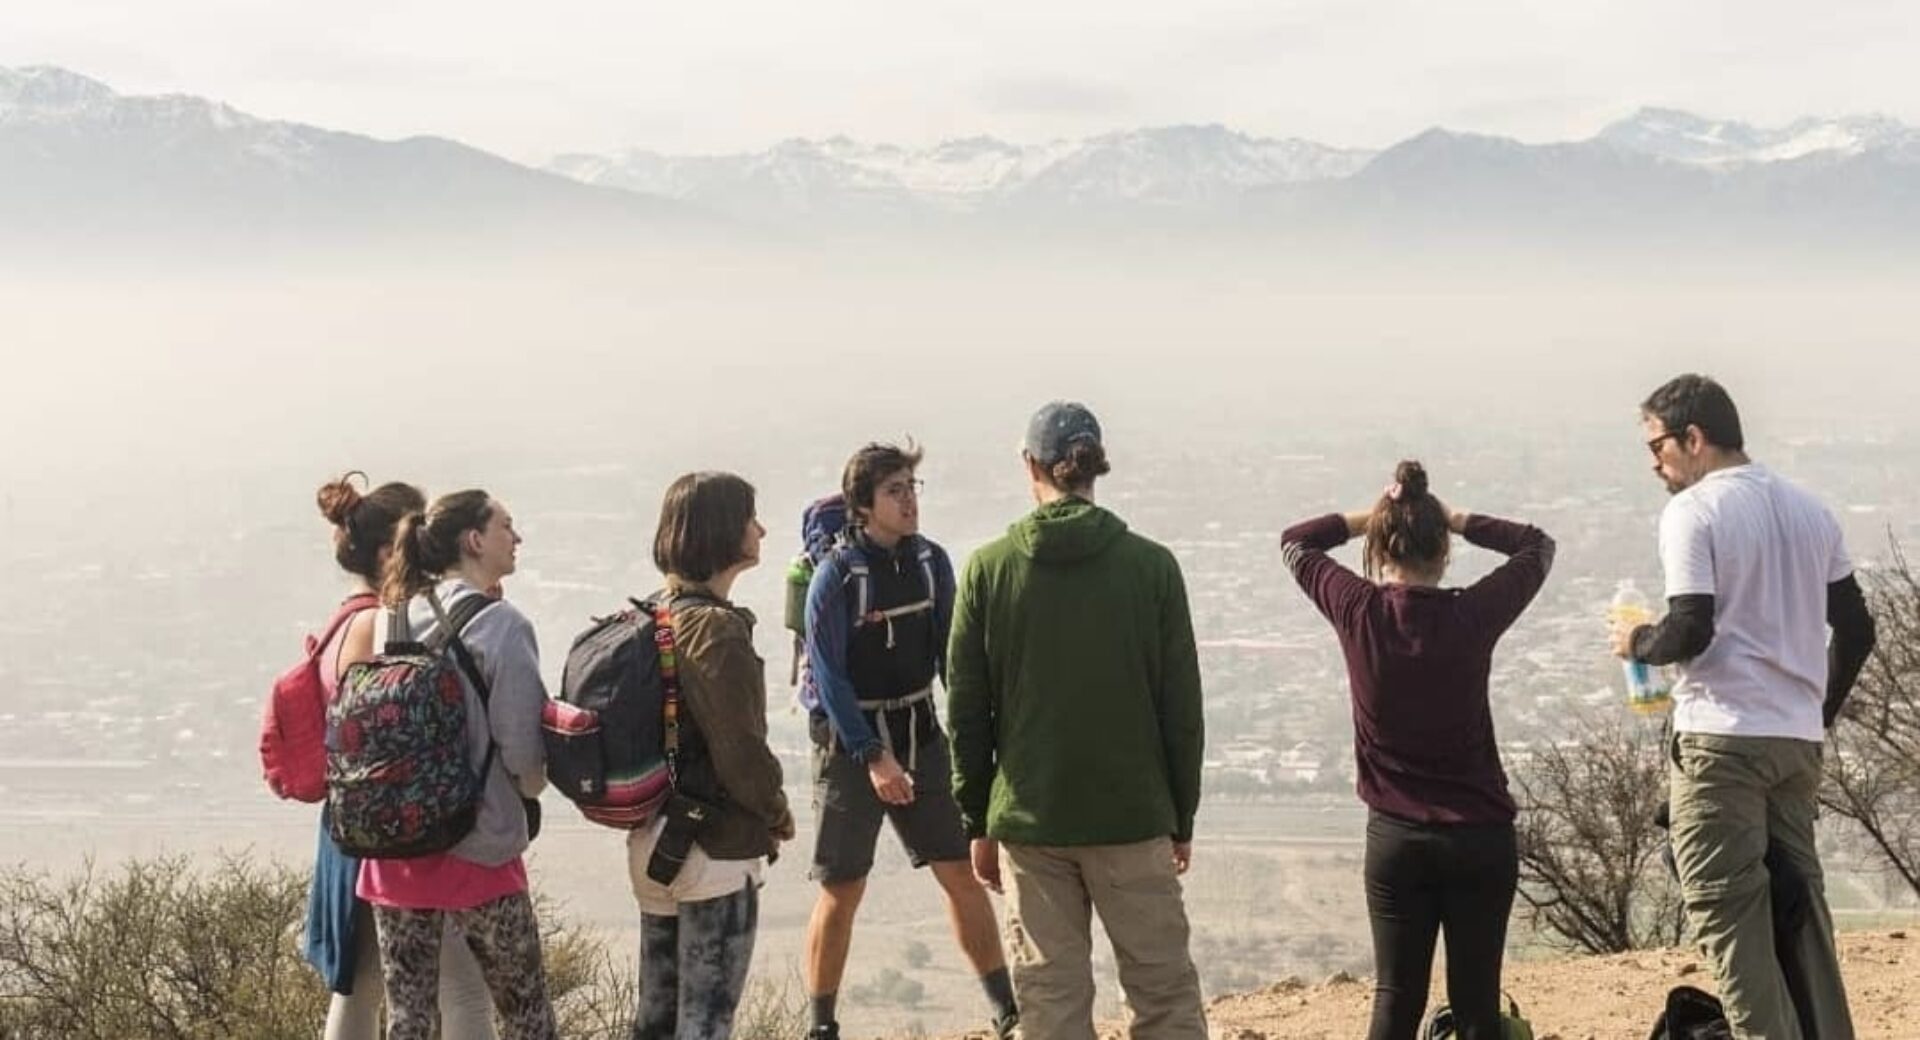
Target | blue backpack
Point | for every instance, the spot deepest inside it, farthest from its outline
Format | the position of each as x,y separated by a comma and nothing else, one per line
826,531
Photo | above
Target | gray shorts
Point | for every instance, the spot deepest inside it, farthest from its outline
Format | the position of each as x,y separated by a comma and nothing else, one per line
847,812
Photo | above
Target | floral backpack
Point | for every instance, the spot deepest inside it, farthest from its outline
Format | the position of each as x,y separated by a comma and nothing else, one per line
400,780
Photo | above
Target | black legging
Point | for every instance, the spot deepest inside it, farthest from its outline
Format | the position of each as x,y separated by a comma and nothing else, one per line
1422,878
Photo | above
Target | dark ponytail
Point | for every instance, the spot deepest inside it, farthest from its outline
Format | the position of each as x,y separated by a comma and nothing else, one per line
427,544
1408,527
1084,461
364,524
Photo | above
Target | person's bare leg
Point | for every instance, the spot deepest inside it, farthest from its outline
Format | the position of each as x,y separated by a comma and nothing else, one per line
977,929
974,924
829,940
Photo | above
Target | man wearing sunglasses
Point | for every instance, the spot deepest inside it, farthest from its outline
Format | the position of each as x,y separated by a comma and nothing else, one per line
1756,573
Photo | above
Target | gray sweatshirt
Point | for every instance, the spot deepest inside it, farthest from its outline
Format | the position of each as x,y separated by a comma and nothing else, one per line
502,642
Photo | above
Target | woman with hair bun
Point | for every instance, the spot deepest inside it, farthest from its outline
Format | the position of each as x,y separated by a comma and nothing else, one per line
1440,853
340,941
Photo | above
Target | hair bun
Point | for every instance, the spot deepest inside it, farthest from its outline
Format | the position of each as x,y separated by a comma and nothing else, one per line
339,498
1412,478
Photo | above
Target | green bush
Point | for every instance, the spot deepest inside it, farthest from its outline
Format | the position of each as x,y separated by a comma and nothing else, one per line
161,949
156,950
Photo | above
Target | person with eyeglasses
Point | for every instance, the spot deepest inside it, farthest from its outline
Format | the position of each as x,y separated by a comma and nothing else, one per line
878,612
1757,572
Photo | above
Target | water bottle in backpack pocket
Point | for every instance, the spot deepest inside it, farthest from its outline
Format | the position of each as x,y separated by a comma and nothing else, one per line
823,528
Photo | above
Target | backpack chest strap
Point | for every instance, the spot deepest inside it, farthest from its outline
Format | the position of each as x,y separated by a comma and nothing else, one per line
875,617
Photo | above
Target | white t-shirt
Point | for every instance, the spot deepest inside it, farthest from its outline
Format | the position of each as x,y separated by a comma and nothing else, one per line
701,878
1766,551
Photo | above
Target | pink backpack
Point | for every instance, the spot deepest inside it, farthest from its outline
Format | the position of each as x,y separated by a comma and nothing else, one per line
293,733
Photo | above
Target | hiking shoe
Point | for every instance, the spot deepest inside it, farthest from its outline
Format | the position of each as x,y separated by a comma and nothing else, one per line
1004,1026
827,1031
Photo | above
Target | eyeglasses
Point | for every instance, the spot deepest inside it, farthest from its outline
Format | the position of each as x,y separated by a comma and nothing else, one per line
901,490
1671,435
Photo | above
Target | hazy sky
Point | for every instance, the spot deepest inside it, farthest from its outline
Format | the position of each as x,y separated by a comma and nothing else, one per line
595,75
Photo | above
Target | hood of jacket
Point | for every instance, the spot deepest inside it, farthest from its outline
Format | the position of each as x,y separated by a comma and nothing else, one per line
1065,530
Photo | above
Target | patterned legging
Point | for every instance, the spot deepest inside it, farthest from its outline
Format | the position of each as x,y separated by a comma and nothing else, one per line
505,939
693,967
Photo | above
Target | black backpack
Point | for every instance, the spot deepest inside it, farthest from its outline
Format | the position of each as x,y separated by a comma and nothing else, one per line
613,736
1691,1014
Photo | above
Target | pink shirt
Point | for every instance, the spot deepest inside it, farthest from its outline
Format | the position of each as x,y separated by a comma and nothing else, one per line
438,882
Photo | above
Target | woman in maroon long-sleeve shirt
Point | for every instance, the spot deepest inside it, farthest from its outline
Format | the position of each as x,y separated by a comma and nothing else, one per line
1440,841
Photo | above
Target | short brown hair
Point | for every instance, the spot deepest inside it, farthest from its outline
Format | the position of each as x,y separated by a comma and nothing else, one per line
1697,400
703,521
871,465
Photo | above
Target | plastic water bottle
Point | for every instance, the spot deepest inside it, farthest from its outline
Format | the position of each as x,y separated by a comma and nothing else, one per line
799,577
1648,690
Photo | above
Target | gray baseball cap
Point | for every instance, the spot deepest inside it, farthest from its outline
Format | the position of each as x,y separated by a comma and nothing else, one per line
1056,427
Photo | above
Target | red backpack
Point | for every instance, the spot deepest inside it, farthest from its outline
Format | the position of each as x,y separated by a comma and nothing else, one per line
293,733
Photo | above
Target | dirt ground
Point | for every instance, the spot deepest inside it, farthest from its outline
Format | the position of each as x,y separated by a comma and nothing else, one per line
1576,998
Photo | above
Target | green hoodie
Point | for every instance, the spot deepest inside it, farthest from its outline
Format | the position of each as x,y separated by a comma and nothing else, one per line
1073,685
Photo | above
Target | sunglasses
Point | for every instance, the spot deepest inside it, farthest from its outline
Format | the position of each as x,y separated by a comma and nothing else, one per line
1671,435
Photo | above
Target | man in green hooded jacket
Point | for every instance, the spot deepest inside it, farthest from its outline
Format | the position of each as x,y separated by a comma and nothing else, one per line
1074,702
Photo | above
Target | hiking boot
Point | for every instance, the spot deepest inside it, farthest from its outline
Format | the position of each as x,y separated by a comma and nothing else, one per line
825,1031
1004,1026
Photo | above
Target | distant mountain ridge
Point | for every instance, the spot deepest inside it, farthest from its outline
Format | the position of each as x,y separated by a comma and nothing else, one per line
1165,166
75,155
1656,161
1684,137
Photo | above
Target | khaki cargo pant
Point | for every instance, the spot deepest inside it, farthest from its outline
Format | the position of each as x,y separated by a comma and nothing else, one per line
1051,894
1730,795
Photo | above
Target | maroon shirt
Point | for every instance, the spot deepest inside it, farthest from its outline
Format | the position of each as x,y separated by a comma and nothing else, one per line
1418,659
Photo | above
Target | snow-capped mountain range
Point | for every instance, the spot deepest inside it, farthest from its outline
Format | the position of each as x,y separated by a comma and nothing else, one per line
76,157
1686,138
1168,166
1207,167
73,153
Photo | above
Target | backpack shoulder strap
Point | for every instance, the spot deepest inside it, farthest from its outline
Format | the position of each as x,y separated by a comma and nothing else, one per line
667,649
926,570
450,622
446,634
447,631
349,609
859,575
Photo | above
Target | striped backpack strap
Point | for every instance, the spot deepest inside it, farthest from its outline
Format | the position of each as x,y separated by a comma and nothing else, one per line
669,686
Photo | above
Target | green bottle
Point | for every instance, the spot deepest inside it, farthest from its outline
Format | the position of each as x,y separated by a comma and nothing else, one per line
799,578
